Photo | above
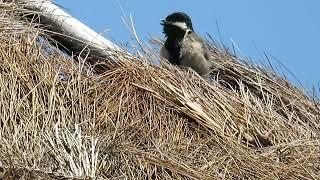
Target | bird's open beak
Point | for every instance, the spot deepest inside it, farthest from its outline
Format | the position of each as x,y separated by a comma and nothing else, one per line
163,22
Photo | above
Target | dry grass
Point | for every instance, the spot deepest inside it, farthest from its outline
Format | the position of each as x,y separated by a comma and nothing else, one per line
143,121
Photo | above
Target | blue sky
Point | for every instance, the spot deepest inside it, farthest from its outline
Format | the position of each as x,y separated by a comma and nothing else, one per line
286,29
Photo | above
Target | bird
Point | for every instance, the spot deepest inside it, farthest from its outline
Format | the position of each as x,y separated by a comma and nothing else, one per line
183,47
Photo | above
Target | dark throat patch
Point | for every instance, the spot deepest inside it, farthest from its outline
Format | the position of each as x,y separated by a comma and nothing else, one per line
173,43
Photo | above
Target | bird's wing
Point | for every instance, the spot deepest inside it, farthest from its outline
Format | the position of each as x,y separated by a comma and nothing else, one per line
204,49
206,53
164,53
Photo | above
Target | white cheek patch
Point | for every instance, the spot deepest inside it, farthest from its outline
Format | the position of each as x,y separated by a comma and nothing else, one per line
181,25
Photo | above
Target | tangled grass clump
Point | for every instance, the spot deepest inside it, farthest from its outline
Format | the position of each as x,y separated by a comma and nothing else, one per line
138,120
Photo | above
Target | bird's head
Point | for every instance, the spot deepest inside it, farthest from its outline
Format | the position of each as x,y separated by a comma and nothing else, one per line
176,24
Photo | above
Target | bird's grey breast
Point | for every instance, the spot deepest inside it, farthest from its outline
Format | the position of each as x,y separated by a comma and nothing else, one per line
194,54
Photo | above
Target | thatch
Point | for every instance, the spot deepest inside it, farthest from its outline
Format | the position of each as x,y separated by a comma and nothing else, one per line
141,120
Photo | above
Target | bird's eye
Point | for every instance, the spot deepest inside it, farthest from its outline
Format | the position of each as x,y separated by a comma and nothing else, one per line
189,32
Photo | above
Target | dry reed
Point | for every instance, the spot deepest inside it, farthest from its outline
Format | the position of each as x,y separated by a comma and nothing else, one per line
138,120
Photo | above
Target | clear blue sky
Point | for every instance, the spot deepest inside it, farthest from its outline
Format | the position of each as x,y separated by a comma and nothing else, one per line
286,29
